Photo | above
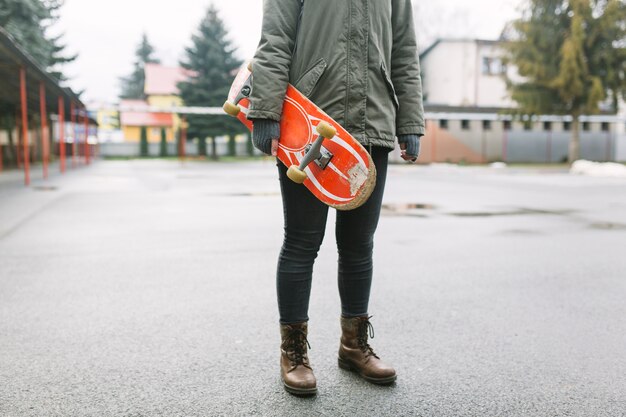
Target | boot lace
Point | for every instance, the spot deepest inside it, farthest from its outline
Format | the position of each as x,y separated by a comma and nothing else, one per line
296,345
364,330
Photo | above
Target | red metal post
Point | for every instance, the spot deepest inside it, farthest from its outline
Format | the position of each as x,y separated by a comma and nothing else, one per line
24,125
73,121
18,144
183,137
45,144
86,145
62,133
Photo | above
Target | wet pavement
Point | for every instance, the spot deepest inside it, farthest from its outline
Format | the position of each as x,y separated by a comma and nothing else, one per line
146,288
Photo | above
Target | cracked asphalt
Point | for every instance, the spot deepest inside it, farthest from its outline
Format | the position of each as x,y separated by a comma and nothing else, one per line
146,288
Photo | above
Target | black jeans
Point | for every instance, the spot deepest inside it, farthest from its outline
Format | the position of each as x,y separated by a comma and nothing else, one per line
305,223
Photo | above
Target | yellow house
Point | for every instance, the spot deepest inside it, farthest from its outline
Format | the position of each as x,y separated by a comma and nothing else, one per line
161,91
135,116
108,118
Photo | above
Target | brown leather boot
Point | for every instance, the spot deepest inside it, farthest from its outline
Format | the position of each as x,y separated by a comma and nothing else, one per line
355,354
295,369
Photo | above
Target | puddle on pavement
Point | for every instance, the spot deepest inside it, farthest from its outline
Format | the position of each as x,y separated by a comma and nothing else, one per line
420,210
515,212
406,209
608,226
193,177
521,232
259,194
45,188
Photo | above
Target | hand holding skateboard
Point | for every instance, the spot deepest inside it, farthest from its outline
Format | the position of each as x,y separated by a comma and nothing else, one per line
318,152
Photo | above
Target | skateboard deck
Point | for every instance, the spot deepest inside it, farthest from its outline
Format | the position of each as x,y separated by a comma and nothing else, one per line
340,173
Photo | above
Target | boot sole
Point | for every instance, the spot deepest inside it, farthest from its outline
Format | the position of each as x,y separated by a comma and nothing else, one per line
302,392
343,364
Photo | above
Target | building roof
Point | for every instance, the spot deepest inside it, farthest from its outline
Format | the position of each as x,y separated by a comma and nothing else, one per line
162,80
12,58
464,40
136,117
146,119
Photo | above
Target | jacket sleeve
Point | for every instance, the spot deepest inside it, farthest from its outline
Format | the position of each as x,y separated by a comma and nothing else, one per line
272,60
405,70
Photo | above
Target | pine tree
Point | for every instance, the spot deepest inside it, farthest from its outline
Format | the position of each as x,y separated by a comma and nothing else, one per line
143,142
132,86
571,55
163,144
232,146
211,58
23,19
201,147
249,146
57,56
29,22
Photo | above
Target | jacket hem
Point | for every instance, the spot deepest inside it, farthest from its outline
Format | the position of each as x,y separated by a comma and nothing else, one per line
411,130
263,114
382,142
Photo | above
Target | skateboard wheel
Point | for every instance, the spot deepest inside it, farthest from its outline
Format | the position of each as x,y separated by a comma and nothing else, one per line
326,130
250,66
231,108
296,175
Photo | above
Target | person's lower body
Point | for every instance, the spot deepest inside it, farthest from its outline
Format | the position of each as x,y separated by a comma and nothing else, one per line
305,223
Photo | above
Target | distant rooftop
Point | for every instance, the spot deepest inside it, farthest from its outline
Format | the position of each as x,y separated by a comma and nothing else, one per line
12,58
138,118
460,40
162,80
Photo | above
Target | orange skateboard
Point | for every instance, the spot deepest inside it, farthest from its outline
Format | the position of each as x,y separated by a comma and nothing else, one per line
318,152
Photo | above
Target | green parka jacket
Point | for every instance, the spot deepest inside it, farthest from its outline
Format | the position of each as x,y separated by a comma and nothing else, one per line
356,59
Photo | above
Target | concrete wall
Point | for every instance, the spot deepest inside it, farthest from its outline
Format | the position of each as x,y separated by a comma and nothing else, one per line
620,140
131,150
473,141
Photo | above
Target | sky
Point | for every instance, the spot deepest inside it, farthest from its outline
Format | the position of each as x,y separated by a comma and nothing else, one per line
105,34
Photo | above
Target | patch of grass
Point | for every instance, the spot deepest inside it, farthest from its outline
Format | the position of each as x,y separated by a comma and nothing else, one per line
119,158
195,158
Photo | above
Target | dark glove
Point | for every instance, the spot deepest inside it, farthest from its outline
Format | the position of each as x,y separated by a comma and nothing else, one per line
263,131
410,144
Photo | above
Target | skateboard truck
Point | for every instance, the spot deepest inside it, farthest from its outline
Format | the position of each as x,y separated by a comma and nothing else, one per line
232,108
314,152
323,158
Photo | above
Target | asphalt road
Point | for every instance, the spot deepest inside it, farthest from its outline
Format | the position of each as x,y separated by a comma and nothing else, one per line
146,288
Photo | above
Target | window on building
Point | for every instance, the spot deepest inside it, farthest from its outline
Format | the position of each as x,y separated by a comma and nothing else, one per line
493,66
605,126
528,125
586,126
443,123
465,124
486,65
507,125
486,124
567,126
547,126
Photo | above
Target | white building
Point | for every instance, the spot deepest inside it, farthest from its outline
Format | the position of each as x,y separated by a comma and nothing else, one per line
465,73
